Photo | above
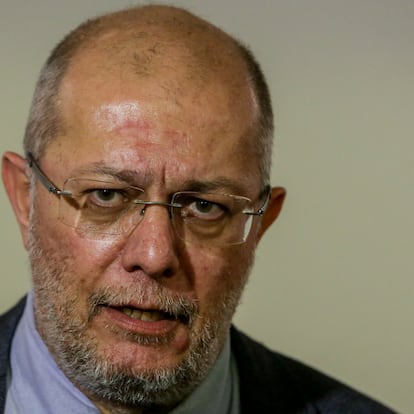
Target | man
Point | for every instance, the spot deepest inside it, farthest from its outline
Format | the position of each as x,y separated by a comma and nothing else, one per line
142,195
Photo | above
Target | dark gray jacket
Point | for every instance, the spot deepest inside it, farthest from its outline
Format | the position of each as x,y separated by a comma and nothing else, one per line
270,383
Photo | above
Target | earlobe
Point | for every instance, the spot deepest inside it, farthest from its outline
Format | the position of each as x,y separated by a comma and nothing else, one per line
17,185
274,206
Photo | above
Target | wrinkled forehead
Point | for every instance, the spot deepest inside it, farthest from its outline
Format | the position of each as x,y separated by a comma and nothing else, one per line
115,94
179,77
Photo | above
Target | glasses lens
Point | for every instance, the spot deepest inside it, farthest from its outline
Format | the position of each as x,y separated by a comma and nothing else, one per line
99,207
213,218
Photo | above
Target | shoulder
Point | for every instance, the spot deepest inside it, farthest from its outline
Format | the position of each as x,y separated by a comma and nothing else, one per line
9,320
279,384
8,324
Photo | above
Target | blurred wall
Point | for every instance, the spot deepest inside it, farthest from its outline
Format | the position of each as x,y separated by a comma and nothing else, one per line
333,283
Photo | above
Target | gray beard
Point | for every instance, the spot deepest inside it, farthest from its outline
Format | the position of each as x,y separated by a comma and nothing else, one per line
76,351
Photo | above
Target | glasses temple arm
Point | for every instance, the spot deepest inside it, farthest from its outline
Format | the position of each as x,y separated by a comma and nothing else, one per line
263,208
42,177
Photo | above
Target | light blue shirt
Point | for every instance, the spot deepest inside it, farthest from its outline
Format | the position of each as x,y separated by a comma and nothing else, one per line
38,386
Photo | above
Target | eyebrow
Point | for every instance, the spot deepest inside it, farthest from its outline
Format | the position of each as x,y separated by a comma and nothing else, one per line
99,168
218,184
131,177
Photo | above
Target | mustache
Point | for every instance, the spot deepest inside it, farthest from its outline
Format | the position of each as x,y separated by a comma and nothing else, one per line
160,298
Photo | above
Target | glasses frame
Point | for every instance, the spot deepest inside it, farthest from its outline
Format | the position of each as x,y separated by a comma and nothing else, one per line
52,188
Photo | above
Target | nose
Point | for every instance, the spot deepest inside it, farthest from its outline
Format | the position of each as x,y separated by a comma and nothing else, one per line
152,245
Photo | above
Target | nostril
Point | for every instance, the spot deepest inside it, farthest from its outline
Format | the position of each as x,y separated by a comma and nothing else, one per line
168,273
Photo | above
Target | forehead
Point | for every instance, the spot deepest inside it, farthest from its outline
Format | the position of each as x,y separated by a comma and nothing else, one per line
173,116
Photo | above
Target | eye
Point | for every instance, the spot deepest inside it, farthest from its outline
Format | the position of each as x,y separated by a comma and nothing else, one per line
204,209
204,206
105,197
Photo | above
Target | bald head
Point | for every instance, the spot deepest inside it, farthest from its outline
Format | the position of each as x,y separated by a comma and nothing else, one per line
152,43
143,38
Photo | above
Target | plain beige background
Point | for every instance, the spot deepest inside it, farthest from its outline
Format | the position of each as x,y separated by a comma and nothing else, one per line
333,283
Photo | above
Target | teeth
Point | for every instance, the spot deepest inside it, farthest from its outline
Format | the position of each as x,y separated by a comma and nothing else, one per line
146,316
136,314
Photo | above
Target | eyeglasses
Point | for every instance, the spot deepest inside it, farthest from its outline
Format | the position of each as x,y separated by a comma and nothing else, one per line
103,209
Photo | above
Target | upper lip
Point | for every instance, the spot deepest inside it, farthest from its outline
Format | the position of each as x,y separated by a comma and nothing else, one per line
175,306
183,317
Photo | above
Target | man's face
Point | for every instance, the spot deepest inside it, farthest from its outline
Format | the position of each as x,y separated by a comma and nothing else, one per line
101,305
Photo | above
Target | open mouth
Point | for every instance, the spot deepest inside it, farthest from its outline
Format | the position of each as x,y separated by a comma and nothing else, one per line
151,315
146,315
143,309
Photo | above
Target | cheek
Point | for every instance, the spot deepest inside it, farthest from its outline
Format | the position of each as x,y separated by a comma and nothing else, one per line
218,273
89,259
82,261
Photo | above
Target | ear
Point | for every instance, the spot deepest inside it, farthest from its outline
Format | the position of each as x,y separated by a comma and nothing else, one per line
277,196
17,184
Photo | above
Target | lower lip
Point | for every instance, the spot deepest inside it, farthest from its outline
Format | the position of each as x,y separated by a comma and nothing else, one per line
138,326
